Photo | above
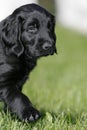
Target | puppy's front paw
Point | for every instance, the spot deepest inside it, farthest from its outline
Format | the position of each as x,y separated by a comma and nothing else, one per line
30,114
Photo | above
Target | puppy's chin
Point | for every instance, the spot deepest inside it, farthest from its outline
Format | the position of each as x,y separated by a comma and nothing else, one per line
43,54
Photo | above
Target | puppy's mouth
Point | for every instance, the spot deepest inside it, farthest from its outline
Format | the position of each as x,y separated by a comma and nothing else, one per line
48,52
35,54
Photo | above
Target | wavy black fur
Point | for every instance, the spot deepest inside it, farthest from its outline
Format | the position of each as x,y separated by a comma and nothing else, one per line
25,36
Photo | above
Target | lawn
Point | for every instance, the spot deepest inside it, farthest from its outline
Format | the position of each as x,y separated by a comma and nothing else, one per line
57,87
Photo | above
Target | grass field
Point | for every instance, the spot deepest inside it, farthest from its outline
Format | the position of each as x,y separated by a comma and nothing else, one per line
57,87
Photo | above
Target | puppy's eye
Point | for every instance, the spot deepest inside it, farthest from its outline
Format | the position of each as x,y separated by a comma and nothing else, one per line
32,28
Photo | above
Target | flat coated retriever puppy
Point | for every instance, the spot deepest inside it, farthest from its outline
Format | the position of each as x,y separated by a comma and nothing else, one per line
25,36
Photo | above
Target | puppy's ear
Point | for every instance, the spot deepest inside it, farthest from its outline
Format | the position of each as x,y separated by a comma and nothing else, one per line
11,32
17,49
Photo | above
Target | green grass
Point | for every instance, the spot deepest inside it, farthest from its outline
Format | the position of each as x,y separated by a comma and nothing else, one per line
57,87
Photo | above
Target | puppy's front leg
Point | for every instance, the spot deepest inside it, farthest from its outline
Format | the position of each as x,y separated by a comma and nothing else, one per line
18,103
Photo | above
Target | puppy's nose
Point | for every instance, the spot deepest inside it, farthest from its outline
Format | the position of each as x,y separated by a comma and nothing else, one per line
46,46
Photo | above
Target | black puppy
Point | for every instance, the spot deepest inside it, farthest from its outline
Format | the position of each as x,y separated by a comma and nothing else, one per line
26,35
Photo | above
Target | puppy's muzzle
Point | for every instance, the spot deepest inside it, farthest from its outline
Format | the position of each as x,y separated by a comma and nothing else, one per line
47,46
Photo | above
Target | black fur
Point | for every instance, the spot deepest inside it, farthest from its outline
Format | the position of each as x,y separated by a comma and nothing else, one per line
26,35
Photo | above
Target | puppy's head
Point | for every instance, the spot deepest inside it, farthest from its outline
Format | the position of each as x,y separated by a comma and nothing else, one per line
32,29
